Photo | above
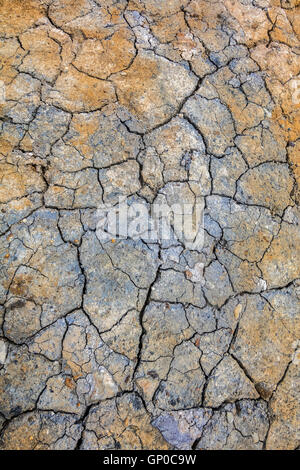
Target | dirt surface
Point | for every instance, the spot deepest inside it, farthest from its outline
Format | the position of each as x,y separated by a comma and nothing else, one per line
138,341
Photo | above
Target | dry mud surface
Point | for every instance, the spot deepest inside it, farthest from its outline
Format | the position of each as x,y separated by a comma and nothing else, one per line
128,344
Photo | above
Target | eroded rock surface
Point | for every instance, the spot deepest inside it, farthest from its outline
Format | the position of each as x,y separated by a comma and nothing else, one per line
137,341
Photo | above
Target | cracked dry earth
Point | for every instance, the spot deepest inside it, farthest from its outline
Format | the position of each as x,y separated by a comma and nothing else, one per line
129,344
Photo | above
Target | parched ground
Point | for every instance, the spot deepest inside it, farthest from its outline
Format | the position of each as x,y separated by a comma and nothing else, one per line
135,345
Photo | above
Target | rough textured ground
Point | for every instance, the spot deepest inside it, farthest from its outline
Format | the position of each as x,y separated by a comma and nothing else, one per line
126,344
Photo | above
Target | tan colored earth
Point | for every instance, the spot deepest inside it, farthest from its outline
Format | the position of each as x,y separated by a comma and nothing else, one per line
150,341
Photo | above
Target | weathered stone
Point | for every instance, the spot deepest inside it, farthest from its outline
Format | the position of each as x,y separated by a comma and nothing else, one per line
217,286
202,320
22,98
166,336
165,324
229,315
182,428
267,185
263,344
185,380
285,302
121,424
70,226
153,89
284,433
247,230
93,20
213,346
47,127
293,153
228,383
20,380
136,260
42,59
279,264
86,93
19,182
242,425
261,144
102,280
173,286
41,431
214,122
253,22
15,18
125,336
49,282
226,171
48,341
103,58
120,180
101,139
72,191
22,319
244,276
168,159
